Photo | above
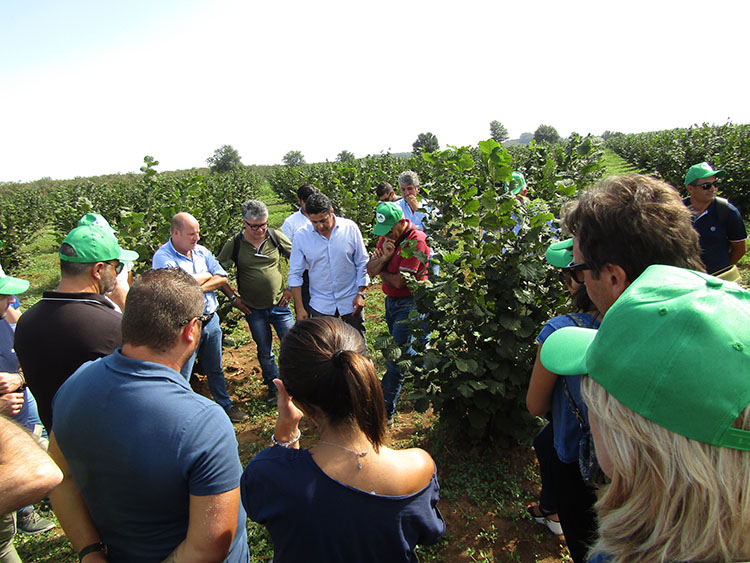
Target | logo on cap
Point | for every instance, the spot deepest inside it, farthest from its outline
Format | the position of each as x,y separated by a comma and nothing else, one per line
380,217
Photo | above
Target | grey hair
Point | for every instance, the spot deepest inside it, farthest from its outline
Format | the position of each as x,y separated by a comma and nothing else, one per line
408,178
254,209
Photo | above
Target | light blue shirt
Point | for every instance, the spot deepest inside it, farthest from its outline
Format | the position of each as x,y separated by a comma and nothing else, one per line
416,217
203,261
336,265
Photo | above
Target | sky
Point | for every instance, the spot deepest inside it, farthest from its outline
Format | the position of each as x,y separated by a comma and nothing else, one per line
90,87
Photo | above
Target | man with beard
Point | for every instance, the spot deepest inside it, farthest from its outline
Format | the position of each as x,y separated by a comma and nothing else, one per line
75,323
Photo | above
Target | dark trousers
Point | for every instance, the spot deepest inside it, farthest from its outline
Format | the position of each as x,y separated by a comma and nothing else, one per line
575,507
357,321
544,446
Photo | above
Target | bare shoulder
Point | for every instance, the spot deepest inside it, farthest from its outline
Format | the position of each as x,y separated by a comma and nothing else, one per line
414,467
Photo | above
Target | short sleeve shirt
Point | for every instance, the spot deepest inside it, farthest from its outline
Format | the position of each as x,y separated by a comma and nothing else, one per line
409,266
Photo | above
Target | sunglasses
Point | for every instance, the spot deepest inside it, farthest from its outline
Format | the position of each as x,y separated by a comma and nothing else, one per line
708,185
202,318
576,271
118,266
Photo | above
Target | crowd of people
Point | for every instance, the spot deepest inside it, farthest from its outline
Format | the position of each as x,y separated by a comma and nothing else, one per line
644,384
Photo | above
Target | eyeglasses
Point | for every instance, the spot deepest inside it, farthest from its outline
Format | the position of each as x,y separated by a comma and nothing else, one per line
708,185
202,318
117,265
256,227
575,270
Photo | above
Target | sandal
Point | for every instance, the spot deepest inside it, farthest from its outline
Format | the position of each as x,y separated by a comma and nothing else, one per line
544,517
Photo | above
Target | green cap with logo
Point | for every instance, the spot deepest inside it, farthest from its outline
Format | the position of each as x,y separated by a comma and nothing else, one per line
93,243
96,220
675,348
700,171
386,215
12,286
516,184
560,254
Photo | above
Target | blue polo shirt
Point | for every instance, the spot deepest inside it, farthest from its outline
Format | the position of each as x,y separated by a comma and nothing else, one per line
138,442
715,237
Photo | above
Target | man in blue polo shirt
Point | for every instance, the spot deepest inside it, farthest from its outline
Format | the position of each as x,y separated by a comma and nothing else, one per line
151,470
719,224
183,251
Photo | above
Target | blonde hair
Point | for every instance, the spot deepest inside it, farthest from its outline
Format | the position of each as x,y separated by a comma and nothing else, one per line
671,498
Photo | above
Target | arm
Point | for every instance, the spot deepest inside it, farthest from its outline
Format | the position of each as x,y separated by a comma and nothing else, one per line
380,257
736,251
359,301
211,528
27,473
541,386
396,280
287,425
234,298
71,509
10,381
298,308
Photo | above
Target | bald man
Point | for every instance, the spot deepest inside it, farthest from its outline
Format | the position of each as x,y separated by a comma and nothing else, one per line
183,251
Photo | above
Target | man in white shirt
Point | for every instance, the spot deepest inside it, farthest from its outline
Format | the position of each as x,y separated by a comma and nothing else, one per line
335,254
294,223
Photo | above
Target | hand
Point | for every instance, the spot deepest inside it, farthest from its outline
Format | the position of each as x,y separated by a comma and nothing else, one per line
242,307
11,403
289,415
389,247
359,304
376,254
286,298
9,382
301,313
412,202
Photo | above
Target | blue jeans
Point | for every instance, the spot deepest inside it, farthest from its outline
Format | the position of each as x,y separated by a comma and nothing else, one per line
209,351
396,317
260,322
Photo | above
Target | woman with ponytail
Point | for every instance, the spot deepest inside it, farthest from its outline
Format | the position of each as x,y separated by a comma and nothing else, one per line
348,498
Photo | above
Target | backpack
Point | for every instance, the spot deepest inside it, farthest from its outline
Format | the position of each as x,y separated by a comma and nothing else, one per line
272,234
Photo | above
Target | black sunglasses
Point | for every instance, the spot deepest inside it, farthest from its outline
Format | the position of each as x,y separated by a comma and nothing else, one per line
117,265
575,270
708,185
202,318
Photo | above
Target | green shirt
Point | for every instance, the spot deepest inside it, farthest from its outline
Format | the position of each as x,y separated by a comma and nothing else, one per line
259,277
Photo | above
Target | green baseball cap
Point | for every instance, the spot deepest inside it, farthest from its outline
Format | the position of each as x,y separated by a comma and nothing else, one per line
675,348
12,286
517,183
96,220
95,244
560,254
701,170
386,215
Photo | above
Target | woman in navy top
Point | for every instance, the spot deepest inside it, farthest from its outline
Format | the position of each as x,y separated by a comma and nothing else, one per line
348,498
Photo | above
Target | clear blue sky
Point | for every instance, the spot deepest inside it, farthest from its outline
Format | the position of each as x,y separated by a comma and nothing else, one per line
91,87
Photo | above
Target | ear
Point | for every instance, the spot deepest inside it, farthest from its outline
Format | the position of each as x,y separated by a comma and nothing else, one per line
96,270
188,332
616,278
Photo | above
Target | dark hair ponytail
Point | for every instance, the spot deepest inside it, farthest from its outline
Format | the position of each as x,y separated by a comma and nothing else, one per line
322,363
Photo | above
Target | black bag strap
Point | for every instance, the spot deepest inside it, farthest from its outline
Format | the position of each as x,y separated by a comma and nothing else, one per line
573,406
272,234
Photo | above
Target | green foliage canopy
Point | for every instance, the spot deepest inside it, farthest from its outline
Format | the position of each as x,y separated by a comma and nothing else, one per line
546,134
498,131
294,158
225,159
426,142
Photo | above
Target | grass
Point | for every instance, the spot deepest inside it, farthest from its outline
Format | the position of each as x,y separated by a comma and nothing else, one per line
614,164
